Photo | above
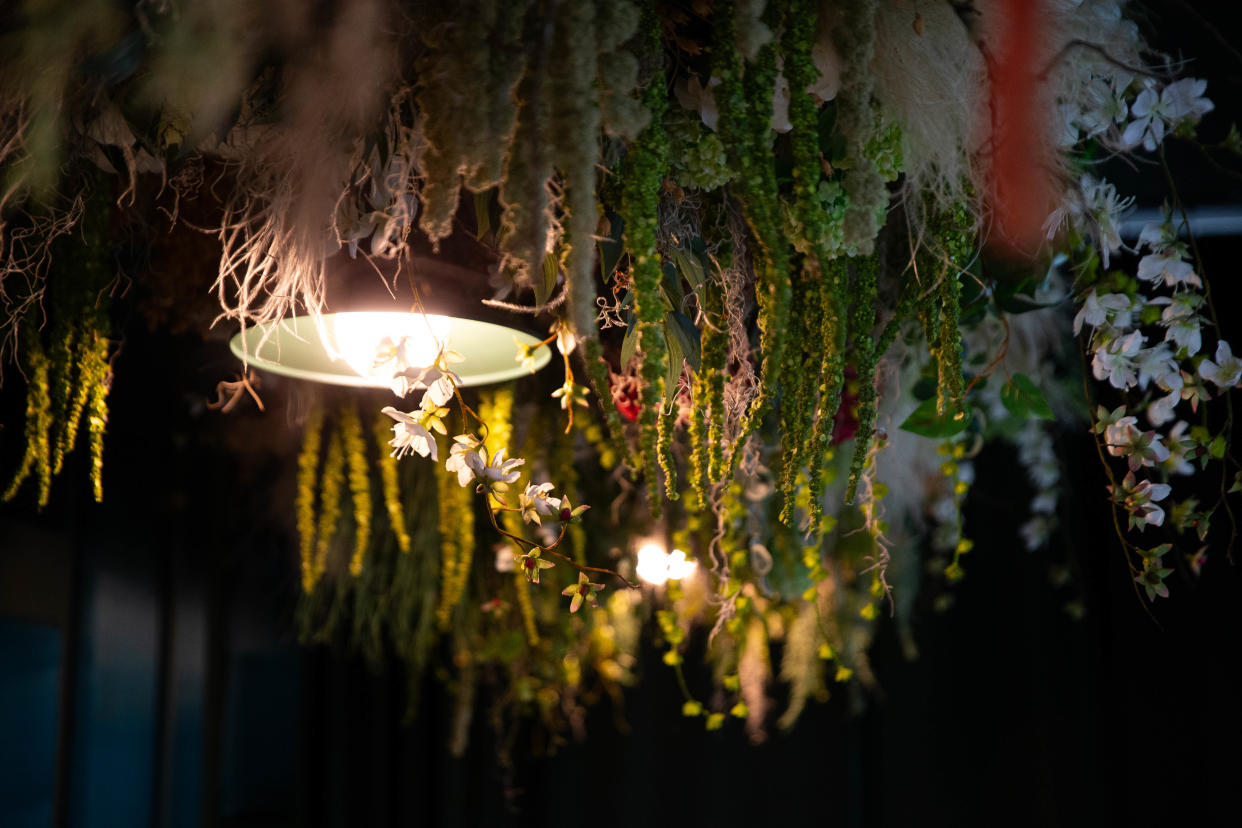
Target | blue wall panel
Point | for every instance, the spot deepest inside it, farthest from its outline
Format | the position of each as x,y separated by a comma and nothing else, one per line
29,695
116,702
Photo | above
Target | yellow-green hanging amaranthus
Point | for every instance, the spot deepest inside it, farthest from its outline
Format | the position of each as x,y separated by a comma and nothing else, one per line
456,521
62,386
389,482
332,484
496,409
94,370
359,483
68,399
308,473
68,371
37,458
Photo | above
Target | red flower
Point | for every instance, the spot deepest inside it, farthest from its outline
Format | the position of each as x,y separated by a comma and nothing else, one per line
625,396
845,423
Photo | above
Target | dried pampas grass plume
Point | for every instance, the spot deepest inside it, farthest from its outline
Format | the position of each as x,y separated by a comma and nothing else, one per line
278,226
931,79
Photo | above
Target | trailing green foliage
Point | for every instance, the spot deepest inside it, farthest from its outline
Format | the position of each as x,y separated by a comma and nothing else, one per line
862,323
641,176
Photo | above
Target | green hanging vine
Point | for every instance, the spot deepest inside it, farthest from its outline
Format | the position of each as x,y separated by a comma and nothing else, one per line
862,323
641,174
744,101
831,382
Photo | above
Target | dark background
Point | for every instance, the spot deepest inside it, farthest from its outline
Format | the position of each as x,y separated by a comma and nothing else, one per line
150,674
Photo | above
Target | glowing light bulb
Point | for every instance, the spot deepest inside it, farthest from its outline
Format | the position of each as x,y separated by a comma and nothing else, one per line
652,564
656,566
416,338
679,567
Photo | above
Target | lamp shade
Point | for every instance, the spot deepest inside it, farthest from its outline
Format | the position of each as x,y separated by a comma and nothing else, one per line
341,351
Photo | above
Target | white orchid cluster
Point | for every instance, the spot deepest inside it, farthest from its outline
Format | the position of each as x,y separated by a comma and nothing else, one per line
1124,114
492,474
1146,332
1165,372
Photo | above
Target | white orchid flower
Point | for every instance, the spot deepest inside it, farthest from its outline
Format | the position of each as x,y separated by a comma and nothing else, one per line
1115,362
409,435
1169,266
1225,371
499,469
1160,411
463,446
535,503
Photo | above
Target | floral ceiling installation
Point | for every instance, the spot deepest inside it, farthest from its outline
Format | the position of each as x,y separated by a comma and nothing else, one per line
800,261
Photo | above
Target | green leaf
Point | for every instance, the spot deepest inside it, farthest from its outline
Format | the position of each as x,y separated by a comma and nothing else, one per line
612,247
483,215
687,337
629,345
1024,399
925,422
670,287
690,267
676,360
543,288
1216,448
